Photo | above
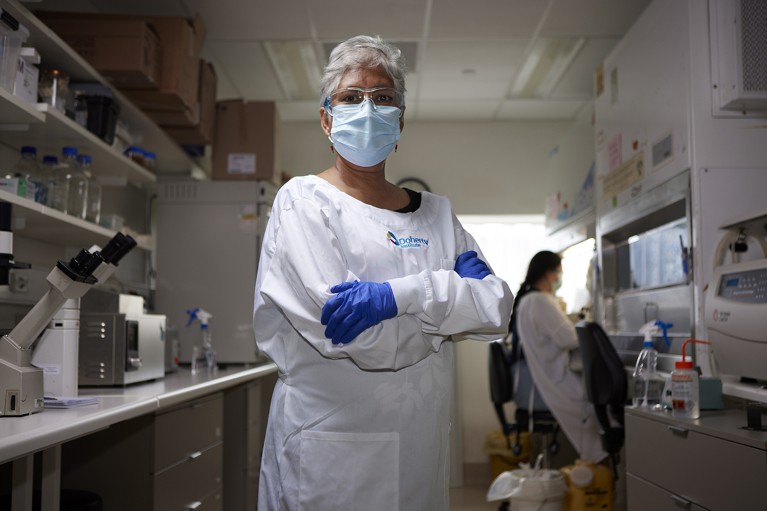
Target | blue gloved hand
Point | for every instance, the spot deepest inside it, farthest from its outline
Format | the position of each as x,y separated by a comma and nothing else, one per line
468,265
356,307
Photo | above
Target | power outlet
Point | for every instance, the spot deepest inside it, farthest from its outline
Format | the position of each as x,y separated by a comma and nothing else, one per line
19,283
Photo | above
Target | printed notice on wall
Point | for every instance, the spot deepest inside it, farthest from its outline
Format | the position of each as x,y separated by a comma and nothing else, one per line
241,163
615,152
624,177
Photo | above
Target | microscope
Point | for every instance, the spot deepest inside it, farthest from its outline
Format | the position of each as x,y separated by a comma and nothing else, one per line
21,384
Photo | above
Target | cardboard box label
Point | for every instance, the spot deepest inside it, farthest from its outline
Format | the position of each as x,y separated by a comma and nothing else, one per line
241,163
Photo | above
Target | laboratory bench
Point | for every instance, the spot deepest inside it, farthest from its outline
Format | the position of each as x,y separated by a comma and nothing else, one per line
186,441
712,463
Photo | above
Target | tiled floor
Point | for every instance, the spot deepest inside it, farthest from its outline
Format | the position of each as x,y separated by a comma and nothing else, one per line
477,479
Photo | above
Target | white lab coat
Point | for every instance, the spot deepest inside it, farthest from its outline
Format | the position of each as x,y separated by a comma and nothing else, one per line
548,336
364,425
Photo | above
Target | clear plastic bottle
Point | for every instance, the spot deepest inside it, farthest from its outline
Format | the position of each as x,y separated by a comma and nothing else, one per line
93,208
648,384
77,201
685,400
58,185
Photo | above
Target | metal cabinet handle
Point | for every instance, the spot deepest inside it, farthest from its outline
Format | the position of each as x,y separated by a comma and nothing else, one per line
679,431
193,505
679,501
195,455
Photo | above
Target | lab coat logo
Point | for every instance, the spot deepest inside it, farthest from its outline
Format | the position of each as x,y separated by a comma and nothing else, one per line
409,242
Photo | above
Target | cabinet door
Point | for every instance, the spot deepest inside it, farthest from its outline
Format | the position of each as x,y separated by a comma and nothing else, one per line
184,485
644,496
185,431
715,473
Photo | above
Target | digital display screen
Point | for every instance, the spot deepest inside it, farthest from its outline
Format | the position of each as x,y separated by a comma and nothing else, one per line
745,287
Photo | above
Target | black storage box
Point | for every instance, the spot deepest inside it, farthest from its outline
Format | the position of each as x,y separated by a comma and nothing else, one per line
102,116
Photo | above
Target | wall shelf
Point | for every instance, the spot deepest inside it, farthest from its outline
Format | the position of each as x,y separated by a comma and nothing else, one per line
171,159
58,131
35,221
15,111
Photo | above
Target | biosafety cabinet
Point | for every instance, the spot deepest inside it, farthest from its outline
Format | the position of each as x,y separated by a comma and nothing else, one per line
674,158
208,243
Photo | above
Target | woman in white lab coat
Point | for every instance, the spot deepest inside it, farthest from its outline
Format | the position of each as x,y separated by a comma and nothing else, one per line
548,338
361,288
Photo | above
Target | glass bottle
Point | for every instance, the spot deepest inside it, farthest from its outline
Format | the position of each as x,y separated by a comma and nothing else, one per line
78,183
93,208
58,185
29,168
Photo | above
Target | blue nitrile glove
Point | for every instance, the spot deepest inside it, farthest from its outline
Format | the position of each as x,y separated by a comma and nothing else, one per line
356,307
468,265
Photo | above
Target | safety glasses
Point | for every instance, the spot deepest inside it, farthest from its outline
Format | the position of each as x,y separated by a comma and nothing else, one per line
380,96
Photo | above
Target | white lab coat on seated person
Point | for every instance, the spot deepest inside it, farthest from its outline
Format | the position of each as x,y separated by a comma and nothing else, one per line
364,425
548,336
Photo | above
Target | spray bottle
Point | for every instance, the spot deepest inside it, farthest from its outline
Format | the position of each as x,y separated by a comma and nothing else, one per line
648,383
208,352
685,393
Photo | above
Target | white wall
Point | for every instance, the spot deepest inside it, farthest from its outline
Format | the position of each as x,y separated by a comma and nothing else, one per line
484,167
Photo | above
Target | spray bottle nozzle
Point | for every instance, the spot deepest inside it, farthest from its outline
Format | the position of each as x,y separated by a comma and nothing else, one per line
199,314
664,328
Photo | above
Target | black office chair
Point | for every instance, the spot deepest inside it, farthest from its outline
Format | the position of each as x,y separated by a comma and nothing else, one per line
501,363
606,386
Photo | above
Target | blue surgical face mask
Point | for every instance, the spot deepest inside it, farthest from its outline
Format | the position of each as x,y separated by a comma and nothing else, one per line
365,134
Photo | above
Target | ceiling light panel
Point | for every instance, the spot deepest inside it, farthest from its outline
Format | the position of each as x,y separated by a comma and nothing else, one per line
460,19
391,19
490,65
251,20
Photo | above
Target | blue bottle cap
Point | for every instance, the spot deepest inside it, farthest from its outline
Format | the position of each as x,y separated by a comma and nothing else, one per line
28,149
84,158
50,159
69,151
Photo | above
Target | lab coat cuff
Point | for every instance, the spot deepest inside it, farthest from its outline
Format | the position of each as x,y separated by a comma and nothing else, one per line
410,294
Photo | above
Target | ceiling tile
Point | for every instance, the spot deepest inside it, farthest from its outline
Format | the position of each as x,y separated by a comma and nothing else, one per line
459,19
577,81
252,20
470,69
482,110
337,20
592,17
247,65
539,109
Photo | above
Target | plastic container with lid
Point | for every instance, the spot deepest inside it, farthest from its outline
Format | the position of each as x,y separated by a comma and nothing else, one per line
12,35
28,167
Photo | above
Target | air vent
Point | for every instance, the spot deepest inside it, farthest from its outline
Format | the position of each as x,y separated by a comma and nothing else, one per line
739,56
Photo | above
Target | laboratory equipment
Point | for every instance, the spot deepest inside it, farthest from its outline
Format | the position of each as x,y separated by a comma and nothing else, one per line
120,346
208,242
590,486
55,353
645,272
203,354
648,383
54,88
7,261
735,309
21,385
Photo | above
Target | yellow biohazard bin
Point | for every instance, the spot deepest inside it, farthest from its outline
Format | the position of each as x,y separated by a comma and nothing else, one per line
502,458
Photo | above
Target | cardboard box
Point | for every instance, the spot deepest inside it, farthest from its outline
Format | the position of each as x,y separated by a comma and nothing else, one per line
125,51
202,132
246,144
181,40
